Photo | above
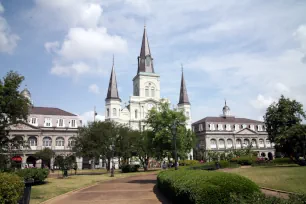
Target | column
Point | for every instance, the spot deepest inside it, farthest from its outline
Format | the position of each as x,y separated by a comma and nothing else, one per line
79,161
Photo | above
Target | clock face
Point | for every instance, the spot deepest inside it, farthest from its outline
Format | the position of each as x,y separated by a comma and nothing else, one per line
150,106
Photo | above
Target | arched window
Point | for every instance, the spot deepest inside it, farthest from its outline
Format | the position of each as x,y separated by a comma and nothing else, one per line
254,143
147,91
261,143
114,112
152,91
148,60
221,143
32,141
47,142
229,143
107,110
213,144
246,142
238,143
59,142
268,144
71,142
136,114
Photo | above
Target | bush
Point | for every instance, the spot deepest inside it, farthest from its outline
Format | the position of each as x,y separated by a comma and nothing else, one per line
129,168
245,160
285,160
188,162
194,186
11,188
39,175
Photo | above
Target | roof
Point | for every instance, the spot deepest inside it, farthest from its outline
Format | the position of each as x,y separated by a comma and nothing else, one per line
49,111
144,53
183,92
226,120
112,92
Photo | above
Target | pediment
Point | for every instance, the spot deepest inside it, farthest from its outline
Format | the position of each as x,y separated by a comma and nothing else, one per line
246,131
22,126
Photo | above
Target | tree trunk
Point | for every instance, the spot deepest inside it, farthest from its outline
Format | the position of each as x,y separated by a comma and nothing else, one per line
108,164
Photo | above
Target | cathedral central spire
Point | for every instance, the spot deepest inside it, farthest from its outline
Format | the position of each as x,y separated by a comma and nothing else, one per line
145,60
183,92
112,92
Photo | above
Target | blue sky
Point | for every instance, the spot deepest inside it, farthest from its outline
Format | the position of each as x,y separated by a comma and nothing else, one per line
249,52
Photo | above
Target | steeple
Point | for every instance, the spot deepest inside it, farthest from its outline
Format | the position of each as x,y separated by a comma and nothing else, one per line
145,60
112,92
183,93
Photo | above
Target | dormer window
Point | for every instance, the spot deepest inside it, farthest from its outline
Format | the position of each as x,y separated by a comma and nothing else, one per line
259,127
212,126
73,123
220,127
48,122
252,127
236,127
201,127
244,126
33,121
228,127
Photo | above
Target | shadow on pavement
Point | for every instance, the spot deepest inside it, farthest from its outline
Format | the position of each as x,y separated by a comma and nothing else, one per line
160,196
147,181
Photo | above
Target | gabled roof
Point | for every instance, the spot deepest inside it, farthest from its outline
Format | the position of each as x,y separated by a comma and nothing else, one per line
49,111
226,120
183,92
112,92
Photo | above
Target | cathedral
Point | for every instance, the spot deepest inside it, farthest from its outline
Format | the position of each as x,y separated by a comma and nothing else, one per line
146,93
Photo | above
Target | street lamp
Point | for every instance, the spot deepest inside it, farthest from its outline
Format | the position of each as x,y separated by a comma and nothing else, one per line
112,147
174,131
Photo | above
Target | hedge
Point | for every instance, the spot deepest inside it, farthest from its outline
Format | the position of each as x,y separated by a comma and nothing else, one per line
129,168
188,162
194,186
244,160
285,160
11,188
39,175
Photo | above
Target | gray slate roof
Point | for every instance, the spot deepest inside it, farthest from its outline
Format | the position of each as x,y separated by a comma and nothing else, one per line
112,92
183,92
49,111
226,120
144,52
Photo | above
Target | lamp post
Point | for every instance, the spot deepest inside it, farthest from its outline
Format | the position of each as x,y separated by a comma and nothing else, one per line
112,147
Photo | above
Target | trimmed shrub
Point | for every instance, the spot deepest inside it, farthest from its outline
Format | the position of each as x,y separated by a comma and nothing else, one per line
188,162
193,186
11,188
245,160
285,160
39,175
129,168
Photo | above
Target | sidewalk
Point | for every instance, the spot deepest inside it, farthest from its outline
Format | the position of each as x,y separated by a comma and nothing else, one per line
136,190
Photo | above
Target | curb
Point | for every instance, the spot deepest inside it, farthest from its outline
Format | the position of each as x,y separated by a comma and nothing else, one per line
278,191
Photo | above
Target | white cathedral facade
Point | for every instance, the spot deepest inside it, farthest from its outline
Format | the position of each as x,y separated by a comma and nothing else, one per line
146,94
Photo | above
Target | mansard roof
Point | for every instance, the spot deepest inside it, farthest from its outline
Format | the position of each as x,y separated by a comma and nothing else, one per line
49,111
226,120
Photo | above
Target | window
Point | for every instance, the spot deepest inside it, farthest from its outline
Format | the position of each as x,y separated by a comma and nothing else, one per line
246,142
48,122
192,128
259,127
148,61
33,121
212,126
220,127
252,127
221,143
136,114
187,114
228,127
107,110
32,141
147,91
153,92
244,126
236,127
229,143
268,144
60,122
213,144
238,143
201,127
73,123
47,142
253,143
59,142
114,112
261,142
71,142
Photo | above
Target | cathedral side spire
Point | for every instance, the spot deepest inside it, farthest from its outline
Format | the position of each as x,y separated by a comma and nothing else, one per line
112,92
145,60
183,92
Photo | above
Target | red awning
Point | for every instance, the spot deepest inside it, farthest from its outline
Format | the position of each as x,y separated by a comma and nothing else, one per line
17,158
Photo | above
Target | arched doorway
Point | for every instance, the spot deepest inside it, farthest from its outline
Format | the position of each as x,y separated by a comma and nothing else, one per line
16,162
270,156
31,161
263,154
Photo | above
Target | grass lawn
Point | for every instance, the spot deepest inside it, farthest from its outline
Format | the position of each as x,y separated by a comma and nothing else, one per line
55,186
292,179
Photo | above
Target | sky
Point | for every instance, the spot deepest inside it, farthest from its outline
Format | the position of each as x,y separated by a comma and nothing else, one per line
247,52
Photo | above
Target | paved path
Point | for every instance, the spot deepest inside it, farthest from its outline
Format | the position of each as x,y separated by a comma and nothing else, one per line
136,190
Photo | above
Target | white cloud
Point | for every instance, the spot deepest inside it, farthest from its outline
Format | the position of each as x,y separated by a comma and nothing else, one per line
89,117
8,40
262,102
300,35
52,46
75,69
94,88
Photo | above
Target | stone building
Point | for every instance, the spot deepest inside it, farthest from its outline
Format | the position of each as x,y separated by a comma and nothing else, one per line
45,127
227,132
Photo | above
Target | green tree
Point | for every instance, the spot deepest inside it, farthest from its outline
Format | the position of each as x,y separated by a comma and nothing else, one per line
161,122
45,155
280,117
296,136
13,108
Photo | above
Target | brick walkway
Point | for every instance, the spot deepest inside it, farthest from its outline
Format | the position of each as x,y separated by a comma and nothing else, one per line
136,190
